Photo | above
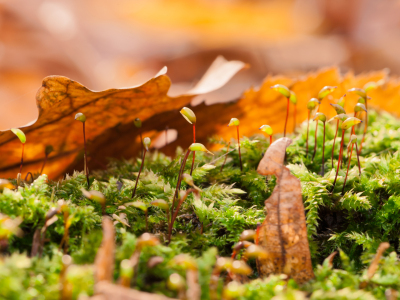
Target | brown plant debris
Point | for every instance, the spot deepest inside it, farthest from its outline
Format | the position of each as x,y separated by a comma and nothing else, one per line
375,262
104,262
283,233
111,291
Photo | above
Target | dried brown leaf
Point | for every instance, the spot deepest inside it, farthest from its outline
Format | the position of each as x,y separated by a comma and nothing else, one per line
104,262
283,233
60,98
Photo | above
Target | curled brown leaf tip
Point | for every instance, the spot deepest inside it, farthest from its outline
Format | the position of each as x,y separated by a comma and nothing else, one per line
375,262
283,233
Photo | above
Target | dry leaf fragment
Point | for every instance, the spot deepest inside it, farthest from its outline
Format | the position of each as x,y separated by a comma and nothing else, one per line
283,233
104,262
60,98
375,262
114,292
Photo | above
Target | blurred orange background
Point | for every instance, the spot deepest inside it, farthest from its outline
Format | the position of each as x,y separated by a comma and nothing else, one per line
105,44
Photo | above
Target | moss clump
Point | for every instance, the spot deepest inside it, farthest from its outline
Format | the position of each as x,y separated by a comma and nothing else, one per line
231,201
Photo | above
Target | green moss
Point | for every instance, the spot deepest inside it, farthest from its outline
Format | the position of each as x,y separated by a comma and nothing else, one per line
231,201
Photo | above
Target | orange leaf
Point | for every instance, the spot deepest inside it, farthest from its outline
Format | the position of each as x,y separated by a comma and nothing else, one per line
60,98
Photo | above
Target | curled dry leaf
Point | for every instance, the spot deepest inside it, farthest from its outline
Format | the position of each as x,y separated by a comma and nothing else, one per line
111,291
283,233
104,262
60,98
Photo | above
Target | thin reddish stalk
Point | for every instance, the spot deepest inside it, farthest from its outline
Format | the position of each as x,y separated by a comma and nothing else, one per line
340,158
287,116
226,156
294,117
365,129
141,142
86,164
358,160
140,170
316,130
323,153
240,155
173,217
179,181
348,167
26,177
308,127
22,158
316,142
334,140
194,141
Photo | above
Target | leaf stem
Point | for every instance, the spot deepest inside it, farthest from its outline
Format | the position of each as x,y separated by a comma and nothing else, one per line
140,170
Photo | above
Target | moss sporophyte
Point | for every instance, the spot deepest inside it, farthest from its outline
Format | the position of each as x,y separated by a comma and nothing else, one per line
348,123
325,91
21,136
286,93
312,104
235,122
189,115
321,117
339,108
146,143
82,118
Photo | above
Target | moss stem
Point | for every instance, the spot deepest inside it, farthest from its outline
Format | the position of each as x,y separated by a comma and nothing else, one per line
348,167
240,155
85,158
334,140
194,141
287,116
340,158
308,128
140,170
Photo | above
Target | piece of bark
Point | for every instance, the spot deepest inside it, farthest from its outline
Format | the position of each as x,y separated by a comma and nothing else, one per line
283,233
104,262
114,292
